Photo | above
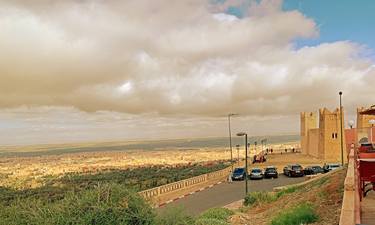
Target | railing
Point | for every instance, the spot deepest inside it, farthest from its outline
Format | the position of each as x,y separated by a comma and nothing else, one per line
350,210
183,184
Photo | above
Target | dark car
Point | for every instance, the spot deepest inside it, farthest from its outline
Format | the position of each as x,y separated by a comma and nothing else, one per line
238,174
270,172
330,167
294,170
255,174
310,170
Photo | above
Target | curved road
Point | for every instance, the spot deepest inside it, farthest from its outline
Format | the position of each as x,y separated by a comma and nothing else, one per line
226,193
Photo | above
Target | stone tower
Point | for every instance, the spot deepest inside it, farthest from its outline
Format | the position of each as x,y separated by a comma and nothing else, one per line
363,120
330,135
363,124
308,122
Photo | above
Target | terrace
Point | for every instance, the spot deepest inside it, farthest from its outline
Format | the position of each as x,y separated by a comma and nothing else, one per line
359,196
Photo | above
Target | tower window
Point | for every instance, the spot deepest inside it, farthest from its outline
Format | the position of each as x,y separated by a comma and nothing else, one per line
333,135
336,135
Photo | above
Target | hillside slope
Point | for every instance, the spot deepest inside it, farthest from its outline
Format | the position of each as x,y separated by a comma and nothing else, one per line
319,201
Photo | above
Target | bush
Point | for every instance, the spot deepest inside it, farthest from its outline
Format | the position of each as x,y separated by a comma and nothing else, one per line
217,213
214,216
286,191
174,216
109,204
259,197
210,221
301,214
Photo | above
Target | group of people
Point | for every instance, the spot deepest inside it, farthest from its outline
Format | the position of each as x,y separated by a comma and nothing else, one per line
259,158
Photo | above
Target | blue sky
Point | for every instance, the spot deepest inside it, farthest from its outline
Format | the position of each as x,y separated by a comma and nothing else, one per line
339,19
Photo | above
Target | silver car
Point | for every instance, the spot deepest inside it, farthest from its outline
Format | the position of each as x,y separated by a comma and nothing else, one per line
256,173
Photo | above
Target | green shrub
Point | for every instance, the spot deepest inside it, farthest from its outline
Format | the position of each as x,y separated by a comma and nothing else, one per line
109,204
210,221
174,216
286,191
216,213
259,197
301,214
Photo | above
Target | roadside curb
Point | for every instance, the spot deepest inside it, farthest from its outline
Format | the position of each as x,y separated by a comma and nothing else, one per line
185,195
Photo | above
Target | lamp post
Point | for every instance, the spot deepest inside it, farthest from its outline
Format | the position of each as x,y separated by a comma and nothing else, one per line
240,135
341,137
351,124
238,154
230,139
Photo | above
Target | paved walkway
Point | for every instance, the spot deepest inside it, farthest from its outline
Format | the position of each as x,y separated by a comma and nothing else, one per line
368,209
225,193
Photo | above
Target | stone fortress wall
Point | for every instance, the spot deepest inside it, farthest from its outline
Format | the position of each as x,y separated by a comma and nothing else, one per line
322,140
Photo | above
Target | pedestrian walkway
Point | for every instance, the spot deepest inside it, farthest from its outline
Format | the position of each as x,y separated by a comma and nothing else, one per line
368,209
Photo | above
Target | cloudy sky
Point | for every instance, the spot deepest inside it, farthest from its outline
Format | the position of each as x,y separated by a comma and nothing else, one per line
94,70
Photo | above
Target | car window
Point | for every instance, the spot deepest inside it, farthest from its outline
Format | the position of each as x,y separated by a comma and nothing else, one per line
239,170
256,171
270,169
334,166
296,167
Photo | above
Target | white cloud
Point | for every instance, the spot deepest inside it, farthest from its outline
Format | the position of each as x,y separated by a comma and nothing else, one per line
173,58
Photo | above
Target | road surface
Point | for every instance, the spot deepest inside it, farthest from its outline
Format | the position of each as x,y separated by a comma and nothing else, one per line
226,193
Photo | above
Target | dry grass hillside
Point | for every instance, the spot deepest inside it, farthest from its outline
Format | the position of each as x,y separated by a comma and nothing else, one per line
319,202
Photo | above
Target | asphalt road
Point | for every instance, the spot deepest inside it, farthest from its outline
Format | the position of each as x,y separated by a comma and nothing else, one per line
226,193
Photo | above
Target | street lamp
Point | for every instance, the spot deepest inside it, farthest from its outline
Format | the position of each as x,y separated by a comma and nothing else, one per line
341,139
238,154
230,139
240,135
351,124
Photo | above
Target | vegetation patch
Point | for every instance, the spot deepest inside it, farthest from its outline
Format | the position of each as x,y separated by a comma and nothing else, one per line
217,213
107,204
255,198
138,178
174,216
320,181
301,214
177,216
259,197
288,190
319,200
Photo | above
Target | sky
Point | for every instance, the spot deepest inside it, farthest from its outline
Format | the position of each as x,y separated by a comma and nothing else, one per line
79,70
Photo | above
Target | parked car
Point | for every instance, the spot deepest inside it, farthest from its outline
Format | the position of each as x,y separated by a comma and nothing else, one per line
270,171
310,170
238,174
330,167
256,173
293,170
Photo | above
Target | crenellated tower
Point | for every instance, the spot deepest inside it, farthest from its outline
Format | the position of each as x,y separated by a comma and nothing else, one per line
330,135
308,122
